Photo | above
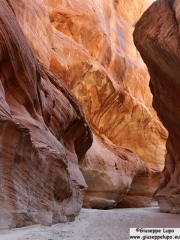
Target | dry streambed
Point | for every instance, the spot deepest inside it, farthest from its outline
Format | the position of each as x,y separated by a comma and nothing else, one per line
94,224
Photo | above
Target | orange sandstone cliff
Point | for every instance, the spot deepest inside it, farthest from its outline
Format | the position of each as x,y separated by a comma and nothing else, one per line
89,46
93,51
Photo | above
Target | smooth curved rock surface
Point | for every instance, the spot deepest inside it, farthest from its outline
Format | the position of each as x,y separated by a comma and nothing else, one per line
159,47
109,171
35,23
101,65
43,135
89,45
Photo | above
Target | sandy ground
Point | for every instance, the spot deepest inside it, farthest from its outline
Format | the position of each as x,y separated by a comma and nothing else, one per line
97,225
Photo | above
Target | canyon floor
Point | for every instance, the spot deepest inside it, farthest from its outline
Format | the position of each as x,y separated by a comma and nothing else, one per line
94,224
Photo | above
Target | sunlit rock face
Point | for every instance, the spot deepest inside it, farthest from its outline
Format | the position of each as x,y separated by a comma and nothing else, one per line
159,47
43,135
93,51
34,20
89,45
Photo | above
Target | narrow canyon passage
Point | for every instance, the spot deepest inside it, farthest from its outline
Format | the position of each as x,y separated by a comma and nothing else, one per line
94,224
79,129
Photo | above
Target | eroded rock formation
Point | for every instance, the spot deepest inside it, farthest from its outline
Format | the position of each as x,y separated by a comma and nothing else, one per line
89,45
159,47
43,134
105,72
109,171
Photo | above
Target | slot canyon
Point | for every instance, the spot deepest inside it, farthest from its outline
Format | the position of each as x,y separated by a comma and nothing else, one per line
89,112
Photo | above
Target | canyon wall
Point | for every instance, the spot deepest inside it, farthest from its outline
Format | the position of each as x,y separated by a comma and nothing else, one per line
89,45
159,47
94,53
43,135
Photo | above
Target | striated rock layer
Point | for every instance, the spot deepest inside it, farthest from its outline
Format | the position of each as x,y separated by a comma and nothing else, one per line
109,171
93,52
159,47
43,135
89,45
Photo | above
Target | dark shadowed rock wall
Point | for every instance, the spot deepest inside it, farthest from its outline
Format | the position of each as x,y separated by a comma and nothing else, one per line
157,37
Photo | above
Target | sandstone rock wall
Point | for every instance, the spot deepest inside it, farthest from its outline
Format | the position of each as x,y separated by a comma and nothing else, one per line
103,69
43,135
89,45
159,47
109,171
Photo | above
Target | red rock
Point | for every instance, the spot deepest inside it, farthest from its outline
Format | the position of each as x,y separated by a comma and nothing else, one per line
157,38
34,20
89,45
43,135
100,64
109,171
